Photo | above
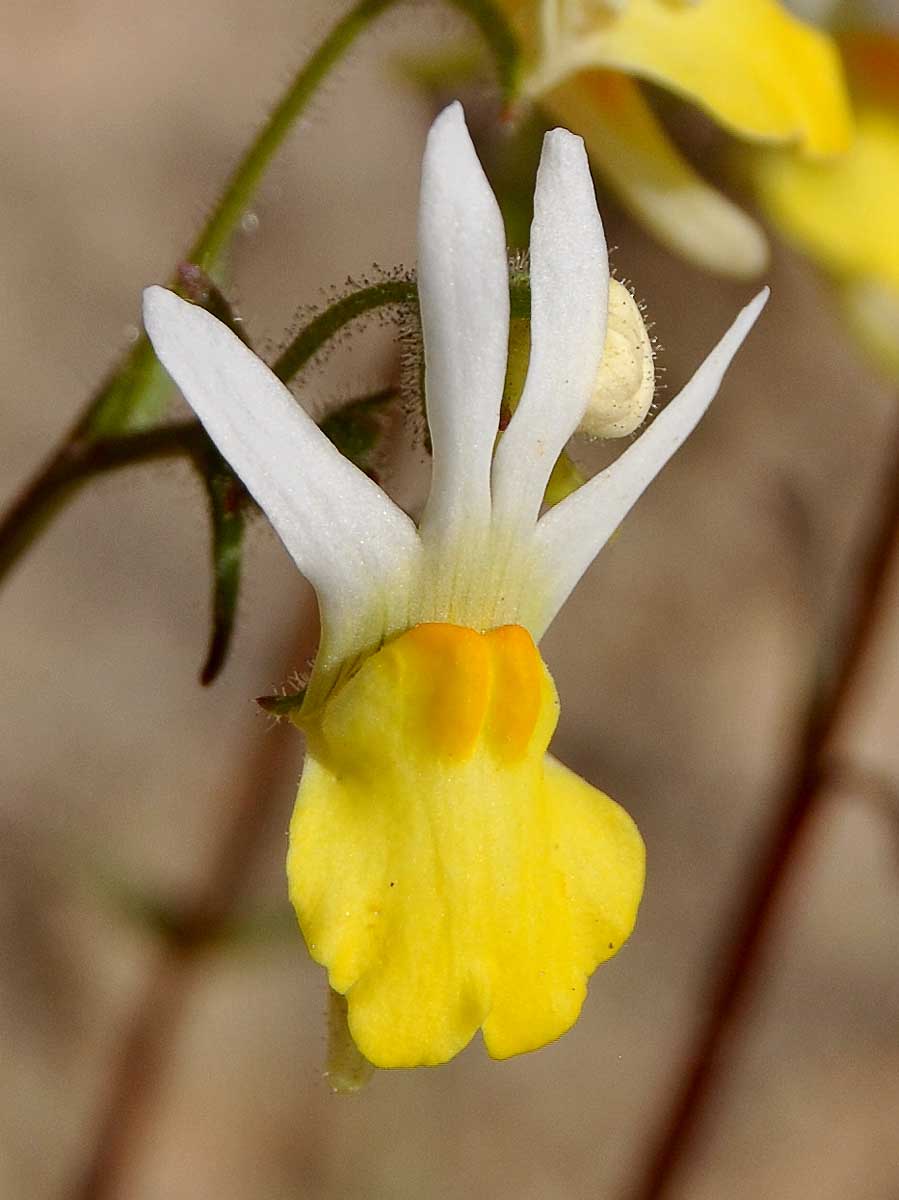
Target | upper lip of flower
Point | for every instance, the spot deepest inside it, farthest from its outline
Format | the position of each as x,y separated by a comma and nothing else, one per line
375,572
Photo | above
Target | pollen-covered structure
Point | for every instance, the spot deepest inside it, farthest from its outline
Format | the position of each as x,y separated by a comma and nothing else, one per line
626,381
446,870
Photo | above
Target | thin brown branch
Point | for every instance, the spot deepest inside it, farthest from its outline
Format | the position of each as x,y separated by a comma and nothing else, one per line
878,790
742,956
146,1049
78,461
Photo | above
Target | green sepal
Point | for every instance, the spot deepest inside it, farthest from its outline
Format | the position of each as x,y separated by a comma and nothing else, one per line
566,478
348,1070
228,501
282,705
357,427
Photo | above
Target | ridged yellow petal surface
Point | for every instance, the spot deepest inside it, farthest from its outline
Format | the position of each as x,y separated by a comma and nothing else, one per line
755,68
449,873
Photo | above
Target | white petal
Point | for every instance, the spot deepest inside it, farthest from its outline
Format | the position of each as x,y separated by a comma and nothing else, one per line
570,535
463,287
569,302
342,531
631,148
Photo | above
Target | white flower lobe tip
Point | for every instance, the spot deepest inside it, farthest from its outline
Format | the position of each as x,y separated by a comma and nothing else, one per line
570,535
463,285
569,273
336,524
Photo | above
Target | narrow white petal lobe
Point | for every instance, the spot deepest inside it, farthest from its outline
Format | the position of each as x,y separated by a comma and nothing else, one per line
337,525
463,284
569,304
570,536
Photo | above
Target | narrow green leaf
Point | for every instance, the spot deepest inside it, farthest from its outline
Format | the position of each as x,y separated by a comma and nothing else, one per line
282,705
228,500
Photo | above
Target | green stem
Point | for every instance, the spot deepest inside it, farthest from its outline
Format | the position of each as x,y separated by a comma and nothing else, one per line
497,33
212,242
323,327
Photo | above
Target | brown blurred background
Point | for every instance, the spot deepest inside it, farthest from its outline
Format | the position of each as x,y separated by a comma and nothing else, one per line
682,661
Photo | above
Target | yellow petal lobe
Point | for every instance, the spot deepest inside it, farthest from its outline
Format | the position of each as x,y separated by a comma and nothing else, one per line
844,213
758,70
448,872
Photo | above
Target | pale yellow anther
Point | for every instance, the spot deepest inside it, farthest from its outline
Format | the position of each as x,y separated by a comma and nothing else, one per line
626,380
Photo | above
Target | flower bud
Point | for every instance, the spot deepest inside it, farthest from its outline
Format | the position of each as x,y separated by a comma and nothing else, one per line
626,380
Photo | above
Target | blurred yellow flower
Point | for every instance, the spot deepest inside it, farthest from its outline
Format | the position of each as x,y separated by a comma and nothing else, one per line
756,69
449,872
845,214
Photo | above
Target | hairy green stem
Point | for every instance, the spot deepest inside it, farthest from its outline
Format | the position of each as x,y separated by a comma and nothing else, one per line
312,337
209,247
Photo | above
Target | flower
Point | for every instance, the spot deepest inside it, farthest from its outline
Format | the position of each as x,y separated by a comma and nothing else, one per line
448,872
757,70
844,214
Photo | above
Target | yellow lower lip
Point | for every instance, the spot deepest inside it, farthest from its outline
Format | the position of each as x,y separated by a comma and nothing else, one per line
449,873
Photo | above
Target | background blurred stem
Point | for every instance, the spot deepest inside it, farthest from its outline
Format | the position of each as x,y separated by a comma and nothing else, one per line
208,250
143,1055
839,672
